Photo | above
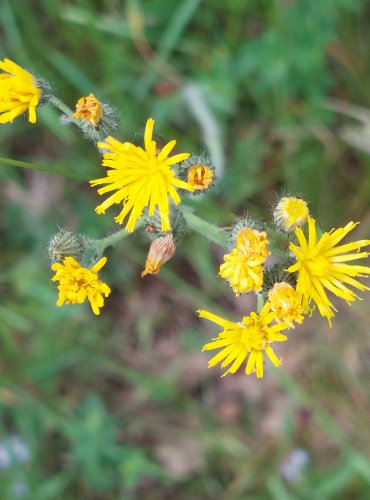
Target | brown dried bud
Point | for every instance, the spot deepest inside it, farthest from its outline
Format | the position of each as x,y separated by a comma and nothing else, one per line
161,250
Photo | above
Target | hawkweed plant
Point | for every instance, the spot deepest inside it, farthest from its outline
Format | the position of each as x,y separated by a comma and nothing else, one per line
150,185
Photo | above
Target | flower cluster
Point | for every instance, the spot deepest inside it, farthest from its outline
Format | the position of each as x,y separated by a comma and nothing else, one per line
320,267
292,266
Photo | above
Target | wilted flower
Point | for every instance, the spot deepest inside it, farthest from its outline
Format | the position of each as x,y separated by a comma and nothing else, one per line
89,109
161,250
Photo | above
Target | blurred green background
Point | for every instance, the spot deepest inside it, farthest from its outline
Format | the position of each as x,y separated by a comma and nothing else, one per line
122,406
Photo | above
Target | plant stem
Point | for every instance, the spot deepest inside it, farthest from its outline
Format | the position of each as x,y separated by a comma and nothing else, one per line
101,244
213,233
64,109
260,301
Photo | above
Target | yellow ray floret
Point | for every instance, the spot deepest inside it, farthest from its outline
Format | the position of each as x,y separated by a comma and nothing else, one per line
77,284
322,266
18,92
251,338
140,178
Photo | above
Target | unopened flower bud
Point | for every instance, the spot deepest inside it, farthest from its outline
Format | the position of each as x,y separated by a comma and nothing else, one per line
161,250
66,244
199,172
290,212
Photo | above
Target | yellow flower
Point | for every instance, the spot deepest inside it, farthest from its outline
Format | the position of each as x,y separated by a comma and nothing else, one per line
161,250
140,178
285,303
243,265
250,338
322,265
290,212
90,109
242,274
77,284
18,92
253,243
200,177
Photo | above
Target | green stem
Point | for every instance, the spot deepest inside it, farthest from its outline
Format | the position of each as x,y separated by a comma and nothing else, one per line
260,301
42,168
101,244
213,233
65,109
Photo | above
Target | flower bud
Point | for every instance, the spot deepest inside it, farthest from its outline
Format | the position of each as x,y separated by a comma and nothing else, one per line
290,212
66,244
161,250
199,172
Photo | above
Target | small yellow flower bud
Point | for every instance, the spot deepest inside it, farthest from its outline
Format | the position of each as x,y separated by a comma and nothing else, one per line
286,303
161,250
290,212
200,177
90,109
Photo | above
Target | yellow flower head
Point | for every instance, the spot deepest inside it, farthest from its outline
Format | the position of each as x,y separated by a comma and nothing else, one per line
285,303
290,212
322,265
18,92
253,243
250,338
140,178
243,266
161,250
243,274
90,109
77,284
200,177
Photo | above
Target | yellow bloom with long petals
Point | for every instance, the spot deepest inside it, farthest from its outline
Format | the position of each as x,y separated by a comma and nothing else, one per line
285,302
251,338
243,274
140,178
18,92
322,266
77,284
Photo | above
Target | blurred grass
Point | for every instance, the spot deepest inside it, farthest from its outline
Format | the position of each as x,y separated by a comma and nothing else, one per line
123,406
